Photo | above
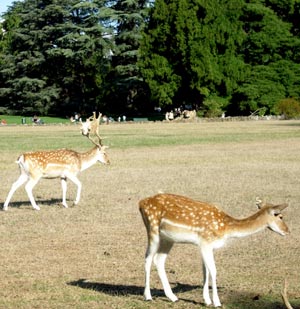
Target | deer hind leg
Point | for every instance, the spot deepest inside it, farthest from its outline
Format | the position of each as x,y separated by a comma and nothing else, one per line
21,180
64,186
210,270
206,296
153,244
159,260
29,186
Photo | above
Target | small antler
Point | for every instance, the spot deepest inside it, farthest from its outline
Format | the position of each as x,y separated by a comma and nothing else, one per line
284,296
258,202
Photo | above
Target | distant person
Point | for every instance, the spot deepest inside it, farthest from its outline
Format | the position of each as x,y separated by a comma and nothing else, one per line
35,119
105,119
77,117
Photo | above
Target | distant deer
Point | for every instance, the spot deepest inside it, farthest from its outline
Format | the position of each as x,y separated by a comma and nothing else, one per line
173,219
91,126
63,163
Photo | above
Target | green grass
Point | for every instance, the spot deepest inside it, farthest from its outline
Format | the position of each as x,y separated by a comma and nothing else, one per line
14,120
151,135
164,134
133,135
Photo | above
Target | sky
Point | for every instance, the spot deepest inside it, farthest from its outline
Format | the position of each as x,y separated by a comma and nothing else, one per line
4,5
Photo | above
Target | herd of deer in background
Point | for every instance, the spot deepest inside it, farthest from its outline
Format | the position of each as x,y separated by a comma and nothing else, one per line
168,218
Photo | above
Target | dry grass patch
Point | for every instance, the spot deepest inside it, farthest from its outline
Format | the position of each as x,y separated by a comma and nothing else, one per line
92,255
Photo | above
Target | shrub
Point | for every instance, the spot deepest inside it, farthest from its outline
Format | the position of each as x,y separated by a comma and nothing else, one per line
213,106
289,108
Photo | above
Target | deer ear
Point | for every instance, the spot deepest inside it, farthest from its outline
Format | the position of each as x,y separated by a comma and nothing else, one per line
281,206
276,210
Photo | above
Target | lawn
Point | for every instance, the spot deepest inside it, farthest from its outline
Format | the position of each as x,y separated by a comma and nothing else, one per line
92,255
15,120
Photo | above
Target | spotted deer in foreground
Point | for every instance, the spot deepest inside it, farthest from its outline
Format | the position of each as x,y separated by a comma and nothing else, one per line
63,163
173,219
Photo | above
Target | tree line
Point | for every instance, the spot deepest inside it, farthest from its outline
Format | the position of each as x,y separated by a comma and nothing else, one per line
132,56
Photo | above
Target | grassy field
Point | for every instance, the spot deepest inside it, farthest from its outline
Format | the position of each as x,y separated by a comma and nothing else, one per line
16,120
92,255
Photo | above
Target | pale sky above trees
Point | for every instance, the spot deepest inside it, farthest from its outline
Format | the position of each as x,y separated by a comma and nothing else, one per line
4,4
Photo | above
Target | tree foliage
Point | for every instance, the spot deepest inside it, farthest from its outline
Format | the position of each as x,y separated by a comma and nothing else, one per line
127,56
289,108
128,91
55,58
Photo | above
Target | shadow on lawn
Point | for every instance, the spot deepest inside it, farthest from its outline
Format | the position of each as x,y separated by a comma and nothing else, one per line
49,202
235,299
126,290
114,289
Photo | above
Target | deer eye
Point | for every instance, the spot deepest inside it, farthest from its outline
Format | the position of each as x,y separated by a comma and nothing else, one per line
279,215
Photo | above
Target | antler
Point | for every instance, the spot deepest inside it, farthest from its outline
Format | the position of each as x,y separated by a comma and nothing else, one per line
99,144
258,202
284,296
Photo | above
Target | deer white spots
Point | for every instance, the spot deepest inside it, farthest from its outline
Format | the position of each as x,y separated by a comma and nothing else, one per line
173,219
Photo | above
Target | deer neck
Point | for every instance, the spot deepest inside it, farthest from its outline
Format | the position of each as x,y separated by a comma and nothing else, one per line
247,226
88,158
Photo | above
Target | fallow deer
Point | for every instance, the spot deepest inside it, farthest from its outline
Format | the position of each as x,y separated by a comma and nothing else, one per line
63,163
91,126
173,219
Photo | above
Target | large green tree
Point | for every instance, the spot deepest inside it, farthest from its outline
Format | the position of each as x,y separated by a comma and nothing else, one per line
222,55
215,55
127,89
190,50
270,50
56,56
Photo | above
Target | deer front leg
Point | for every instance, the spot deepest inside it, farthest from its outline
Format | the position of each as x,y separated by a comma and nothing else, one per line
64,191
76,181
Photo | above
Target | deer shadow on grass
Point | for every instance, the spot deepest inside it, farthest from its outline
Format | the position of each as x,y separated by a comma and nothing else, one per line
126,290
47,202
246,300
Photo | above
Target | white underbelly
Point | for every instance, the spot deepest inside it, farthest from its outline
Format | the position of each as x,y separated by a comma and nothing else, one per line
55,171
52,175
180,237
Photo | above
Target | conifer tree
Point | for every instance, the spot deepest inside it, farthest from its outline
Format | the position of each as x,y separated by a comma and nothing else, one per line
56,56
127,88
190,51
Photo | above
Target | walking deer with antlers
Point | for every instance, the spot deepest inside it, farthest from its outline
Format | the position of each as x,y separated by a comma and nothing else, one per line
63,163
173,219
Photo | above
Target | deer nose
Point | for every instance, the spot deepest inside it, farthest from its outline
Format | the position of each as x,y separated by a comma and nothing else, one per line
286,232
106,161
